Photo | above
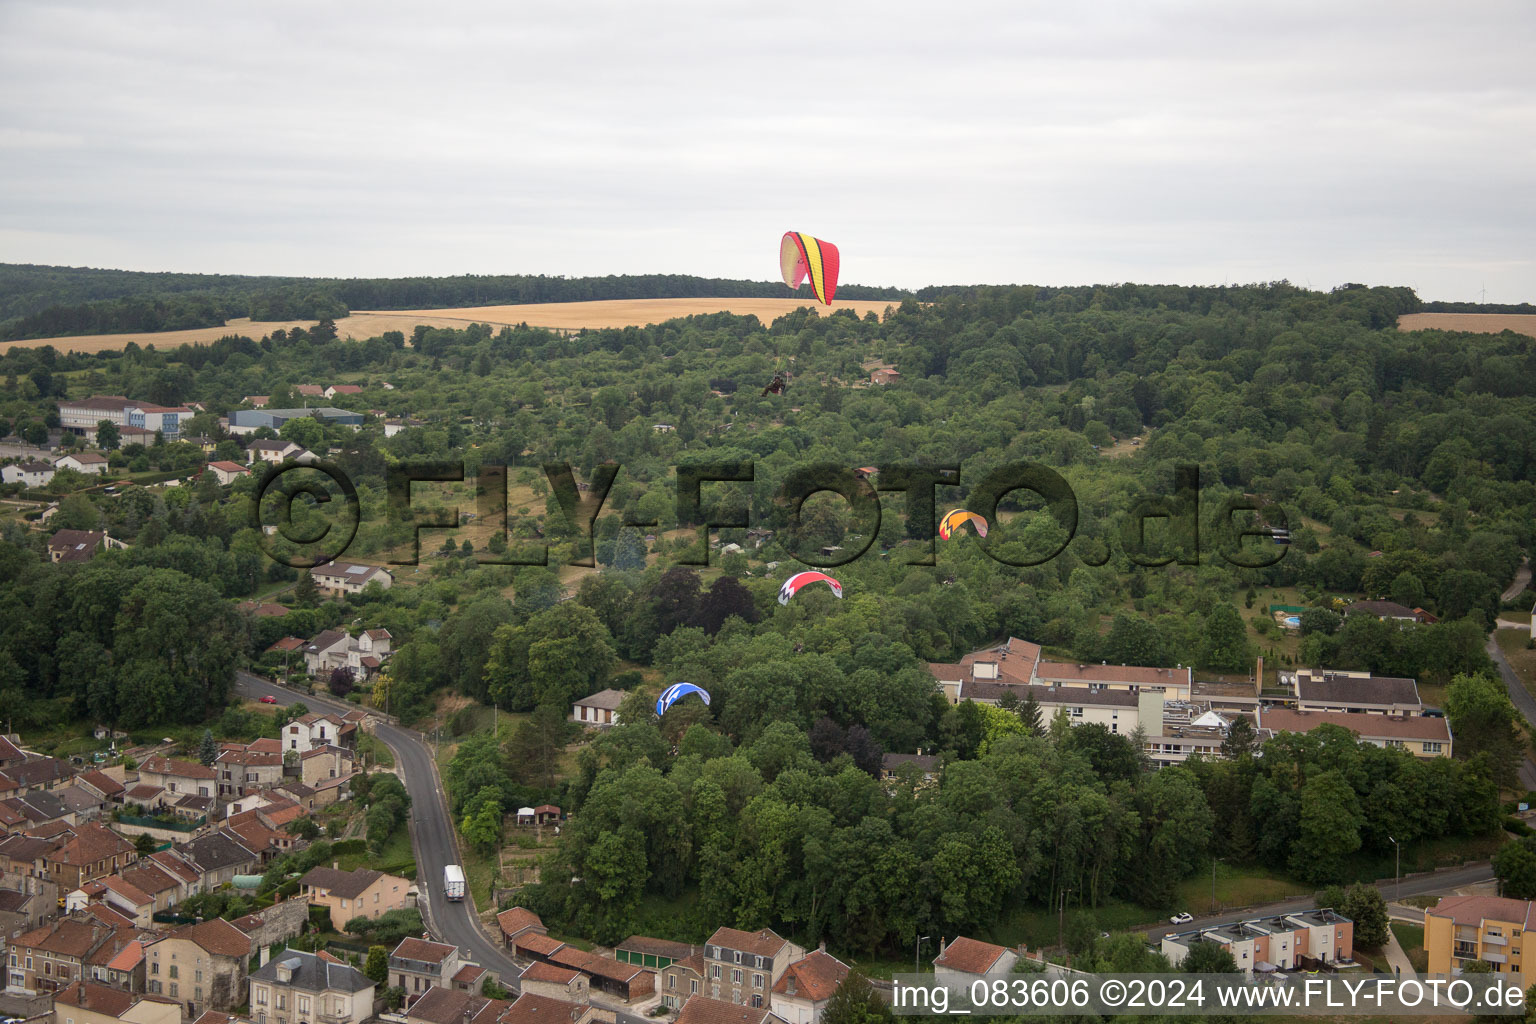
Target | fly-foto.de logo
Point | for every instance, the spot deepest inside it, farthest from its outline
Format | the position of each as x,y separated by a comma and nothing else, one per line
324,483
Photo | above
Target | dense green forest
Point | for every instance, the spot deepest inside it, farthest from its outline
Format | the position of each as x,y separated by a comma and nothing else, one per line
1402,463
49,302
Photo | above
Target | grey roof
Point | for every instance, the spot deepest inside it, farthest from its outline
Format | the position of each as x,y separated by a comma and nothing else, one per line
1338,689
346,884
38,770
608,699
216,850
927,762
313,974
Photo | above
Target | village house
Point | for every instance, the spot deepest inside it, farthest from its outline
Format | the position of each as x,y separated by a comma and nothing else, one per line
336,579
624,981
742,967
1386,611
202,966
516,921
335,648
274,451
964,958
342,389
227,472
18,778
80,545
802,994
926,766
88,463
352,894
243,770
87,1002
29,474
322,764
703,1009
555,982
681,980
418,965
217,857
179,777
600,709
58,954
295,988
316,731
87,852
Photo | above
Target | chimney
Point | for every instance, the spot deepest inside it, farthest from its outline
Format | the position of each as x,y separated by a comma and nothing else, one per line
83,1000
821,947
335,865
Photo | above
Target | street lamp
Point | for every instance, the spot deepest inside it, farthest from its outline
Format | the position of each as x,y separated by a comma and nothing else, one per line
1397,872
1061,917
917,948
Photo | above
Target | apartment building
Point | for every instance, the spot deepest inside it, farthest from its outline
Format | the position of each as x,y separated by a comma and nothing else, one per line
1460,930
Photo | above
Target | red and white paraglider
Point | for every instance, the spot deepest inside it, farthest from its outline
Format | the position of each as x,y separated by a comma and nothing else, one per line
793,585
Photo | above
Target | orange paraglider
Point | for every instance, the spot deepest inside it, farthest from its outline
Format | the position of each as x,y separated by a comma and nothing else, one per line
957,518
801,257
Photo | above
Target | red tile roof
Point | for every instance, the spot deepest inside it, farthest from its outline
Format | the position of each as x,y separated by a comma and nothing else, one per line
423,950
970,956
541,971
99,998
701,1009
539,943
533,1009
517,919
216,936
1474,910
814,977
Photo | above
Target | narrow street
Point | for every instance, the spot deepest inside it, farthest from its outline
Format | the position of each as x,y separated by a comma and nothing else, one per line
432,837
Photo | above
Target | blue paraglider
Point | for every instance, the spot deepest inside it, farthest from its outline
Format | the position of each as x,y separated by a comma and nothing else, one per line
673,693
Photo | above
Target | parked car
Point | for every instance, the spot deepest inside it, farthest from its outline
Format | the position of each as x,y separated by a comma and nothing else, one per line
269,699
1182,918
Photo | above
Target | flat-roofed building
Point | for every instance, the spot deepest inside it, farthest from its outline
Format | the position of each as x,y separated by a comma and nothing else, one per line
1173,683
1353,692
1284,941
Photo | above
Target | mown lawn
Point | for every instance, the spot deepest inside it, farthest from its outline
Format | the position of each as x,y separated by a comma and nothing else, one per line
1238,887
1411,938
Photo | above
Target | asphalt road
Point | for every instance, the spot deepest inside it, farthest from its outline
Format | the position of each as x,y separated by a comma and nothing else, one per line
431,837
1450,878
1523,701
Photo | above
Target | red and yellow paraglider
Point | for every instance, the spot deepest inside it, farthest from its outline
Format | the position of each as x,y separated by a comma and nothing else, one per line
957,518
801,257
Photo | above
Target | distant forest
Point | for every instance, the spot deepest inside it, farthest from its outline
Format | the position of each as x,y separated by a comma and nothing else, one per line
52,302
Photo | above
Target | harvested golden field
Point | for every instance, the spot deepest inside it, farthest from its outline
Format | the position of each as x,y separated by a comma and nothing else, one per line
370,323
621,312
1475,323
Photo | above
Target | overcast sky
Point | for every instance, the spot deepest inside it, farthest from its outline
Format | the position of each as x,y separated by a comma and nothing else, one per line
1047,143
